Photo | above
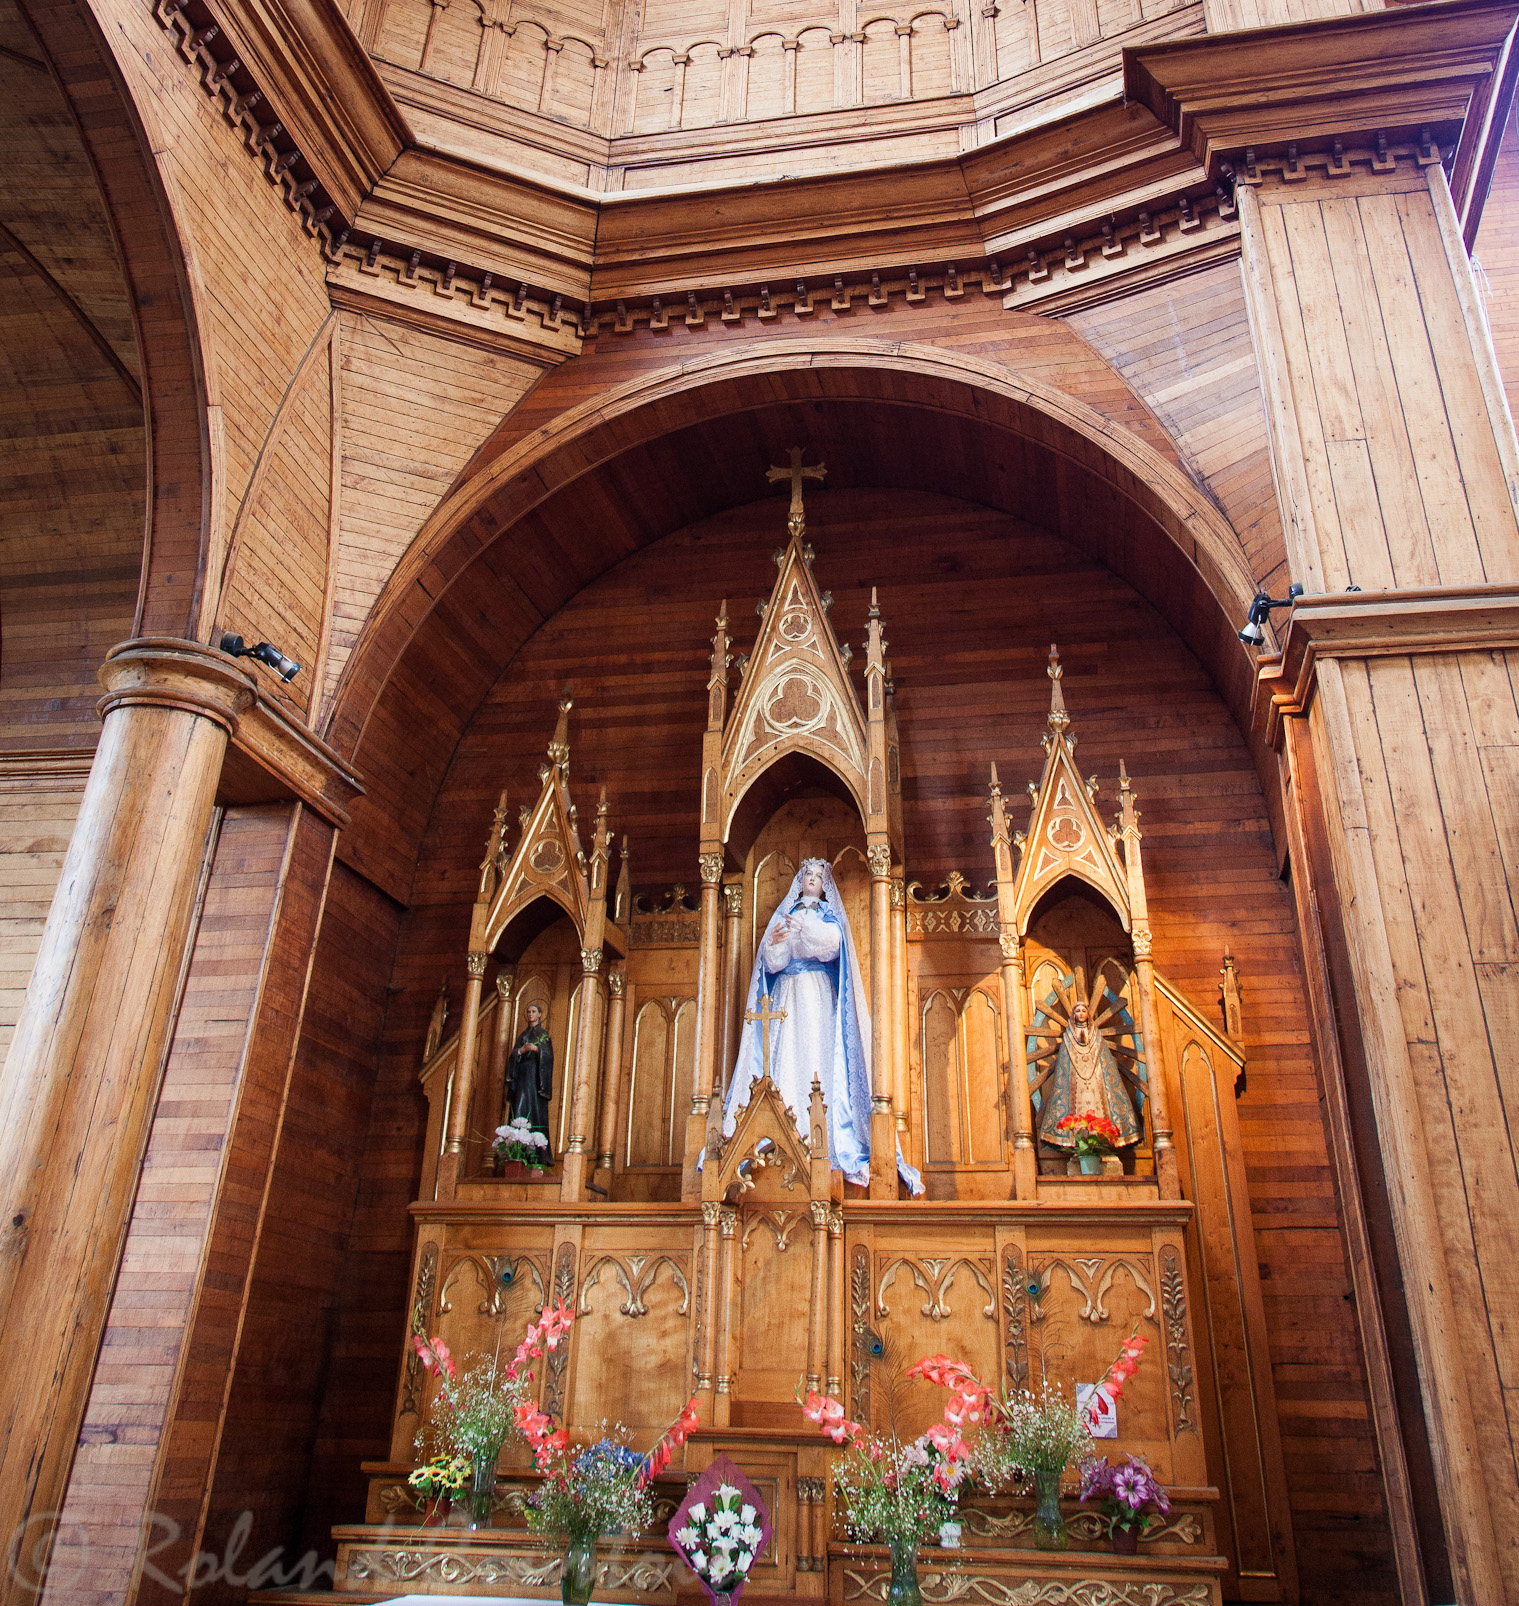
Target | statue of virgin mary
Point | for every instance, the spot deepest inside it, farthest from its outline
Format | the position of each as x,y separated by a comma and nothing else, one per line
808,969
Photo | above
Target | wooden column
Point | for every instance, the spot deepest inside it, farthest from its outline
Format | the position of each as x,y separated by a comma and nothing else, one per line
733,986
1397,471
722,1314
461,1095
1025,1152
708,986
587,1054
900,1035
501,1039
837,1298
79,1085
611,1069
817,1316
706,1358
883,1131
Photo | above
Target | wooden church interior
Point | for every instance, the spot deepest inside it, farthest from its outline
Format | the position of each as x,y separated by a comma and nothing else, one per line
461,417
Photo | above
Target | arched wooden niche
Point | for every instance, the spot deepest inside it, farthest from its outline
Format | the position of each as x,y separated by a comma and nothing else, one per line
1068,848
796,725
541,916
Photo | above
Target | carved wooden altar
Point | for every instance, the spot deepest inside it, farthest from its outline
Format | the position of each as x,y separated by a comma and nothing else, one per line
761,1270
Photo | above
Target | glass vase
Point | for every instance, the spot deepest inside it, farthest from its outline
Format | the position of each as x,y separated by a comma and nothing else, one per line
904,1589
577,1573
482,1488
1049,1521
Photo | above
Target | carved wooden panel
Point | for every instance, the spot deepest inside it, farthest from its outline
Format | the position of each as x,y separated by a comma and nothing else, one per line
771,1296
961,1060
631,1307
929,1305
664,1050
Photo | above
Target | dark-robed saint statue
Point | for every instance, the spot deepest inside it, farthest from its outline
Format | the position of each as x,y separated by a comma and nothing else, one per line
530,1076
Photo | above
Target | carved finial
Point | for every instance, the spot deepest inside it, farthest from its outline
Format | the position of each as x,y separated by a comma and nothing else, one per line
622,898
875,607
796,523
1229,997
559,748
495,852
996,784
1059,719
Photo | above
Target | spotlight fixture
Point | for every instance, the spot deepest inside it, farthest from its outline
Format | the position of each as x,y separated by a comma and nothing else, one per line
265,653
1260,611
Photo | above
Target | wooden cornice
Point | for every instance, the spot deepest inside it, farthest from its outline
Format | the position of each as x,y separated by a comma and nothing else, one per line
1378,624
1188,105
304,57
1441,65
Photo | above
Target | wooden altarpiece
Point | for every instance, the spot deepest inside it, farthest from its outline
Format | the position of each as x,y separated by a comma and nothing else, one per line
756,1271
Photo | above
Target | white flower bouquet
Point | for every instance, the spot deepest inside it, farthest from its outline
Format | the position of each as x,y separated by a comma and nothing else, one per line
720,1530
518,1142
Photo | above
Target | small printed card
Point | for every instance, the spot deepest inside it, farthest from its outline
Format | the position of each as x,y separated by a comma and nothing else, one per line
721,1527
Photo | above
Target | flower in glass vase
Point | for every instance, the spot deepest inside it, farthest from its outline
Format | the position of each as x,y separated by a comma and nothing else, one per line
437,1483
517,1143
1130,1495
477,1408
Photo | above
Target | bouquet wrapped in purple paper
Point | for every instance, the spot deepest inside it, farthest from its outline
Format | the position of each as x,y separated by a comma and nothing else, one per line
722,1526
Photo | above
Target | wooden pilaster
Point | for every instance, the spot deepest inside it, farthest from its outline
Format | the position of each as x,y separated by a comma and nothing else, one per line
1394,460
1025,1156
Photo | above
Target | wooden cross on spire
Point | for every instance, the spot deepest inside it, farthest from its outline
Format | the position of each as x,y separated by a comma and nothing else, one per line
796,473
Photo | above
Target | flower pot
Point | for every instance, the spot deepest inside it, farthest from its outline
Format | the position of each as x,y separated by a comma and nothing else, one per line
904,1589
435,1510
577,1572
1049,1521
1125,1541
1091,1164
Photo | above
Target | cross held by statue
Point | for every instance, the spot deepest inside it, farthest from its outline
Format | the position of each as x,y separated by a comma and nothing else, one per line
765,1015
796,473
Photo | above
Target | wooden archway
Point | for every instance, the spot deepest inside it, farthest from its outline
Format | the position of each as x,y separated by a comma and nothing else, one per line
521,478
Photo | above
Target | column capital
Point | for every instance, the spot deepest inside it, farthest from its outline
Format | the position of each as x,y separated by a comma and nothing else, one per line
1373,624
165,672
271,755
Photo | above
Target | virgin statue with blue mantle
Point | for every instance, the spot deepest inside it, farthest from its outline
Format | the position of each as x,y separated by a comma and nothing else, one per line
809,971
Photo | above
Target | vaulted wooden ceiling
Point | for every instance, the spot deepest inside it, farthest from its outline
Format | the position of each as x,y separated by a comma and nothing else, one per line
73,457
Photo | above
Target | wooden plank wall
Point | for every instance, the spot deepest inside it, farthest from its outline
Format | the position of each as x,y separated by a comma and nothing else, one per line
971,598
114,1472
390,375
297,1402
1185,348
